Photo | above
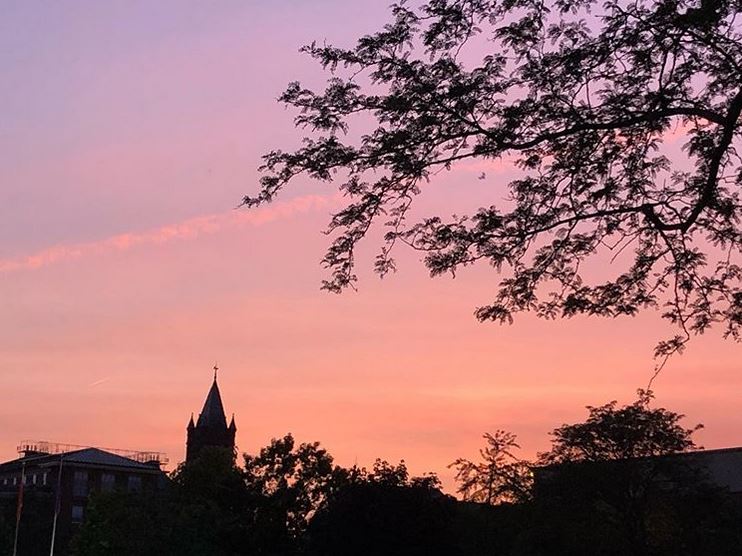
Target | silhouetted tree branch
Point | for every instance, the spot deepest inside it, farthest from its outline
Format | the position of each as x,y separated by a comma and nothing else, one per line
582,97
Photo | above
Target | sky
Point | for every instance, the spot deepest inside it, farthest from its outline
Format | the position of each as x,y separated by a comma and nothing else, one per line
130,132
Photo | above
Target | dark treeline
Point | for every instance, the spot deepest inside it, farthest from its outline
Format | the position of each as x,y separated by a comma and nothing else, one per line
611,485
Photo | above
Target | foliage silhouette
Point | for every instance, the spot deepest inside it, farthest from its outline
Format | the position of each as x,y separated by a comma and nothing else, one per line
205,510
605,488
289,483
214,507
499,477
35,524
614,484
581,97
384,512
6,530
633,431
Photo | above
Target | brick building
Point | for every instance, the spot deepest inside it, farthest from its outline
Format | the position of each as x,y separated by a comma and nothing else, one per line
52,483
57,480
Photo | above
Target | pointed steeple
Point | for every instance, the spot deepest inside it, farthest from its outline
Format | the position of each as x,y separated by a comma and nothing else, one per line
213,412
210,430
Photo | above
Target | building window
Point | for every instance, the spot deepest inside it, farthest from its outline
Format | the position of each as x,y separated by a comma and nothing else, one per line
44,478
134,484
80,484
15,481
107,482
33,479
77,513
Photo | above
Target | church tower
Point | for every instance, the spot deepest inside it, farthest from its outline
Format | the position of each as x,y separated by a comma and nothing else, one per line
211,428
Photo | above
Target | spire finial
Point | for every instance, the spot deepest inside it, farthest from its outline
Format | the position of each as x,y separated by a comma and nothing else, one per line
216,370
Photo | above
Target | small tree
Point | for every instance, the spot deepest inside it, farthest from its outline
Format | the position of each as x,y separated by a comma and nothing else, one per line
499,476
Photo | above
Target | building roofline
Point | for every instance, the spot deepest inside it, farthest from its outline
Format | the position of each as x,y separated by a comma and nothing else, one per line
52,460
693,453
711,451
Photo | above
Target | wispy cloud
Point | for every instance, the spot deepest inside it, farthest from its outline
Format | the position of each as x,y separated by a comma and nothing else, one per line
187,229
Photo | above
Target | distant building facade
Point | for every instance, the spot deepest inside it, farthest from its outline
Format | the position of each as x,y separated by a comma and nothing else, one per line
211,429
721,467
50,484
60,478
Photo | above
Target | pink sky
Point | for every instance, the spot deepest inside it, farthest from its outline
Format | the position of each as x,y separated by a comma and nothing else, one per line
132,132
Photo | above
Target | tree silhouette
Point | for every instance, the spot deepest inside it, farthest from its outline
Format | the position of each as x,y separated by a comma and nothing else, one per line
206,509
384,512
612,433
614,482
211,506
292,500
581,96
289,481
499,476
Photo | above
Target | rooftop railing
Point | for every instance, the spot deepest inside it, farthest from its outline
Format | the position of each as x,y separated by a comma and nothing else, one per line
27,447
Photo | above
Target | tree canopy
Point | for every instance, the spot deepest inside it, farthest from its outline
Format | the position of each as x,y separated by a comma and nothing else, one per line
582,96
612,433
618,483
384,511
291,499
289,483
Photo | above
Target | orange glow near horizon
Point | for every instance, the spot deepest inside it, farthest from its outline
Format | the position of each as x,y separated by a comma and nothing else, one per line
125,271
